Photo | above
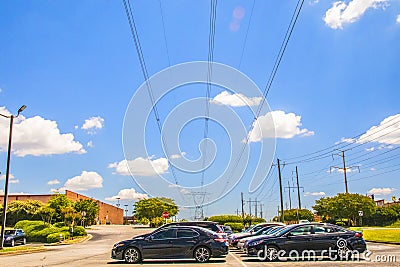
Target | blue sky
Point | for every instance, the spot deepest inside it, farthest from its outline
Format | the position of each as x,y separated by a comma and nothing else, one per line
75,66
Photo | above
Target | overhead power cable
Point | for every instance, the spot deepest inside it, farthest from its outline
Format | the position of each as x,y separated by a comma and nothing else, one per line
136,40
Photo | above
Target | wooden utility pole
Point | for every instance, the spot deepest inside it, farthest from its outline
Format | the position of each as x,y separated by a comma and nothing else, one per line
298,187
241,194
344,169
280,190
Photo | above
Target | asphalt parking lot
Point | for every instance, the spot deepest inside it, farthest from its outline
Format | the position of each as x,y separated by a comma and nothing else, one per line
96,252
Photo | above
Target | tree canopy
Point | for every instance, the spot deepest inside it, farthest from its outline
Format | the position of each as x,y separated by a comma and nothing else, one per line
152,209
344,206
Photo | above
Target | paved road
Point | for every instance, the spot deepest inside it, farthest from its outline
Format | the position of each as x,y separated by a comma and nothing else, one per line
96,252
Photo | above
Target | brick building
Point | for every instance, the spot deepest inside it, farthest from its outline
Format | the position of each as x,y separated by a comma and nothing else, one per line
108,214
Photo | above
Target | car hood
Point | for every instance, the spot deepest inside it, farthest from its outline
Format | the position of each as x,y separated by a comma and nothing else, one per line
240,235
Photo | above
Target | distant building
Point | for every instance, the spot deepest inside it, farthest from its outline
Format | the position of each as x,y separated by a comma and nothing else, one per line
108,214
383,203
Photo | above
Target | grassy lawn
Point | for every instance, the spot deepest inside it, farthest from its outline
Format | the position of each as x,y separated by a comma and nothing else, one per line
380,234
7,250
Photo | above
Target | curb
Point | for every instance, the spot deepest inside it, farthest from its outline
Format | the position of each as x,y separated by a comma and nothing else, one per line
18,252
64,243
383,242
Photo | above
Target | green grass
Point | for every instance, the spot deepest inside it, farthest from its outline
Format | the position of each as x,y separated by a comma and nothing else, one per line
394,225
7,250
379,234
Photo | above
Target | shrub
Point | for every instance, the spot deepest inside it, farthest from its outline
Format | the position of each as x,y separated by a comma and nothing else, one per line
79,231
222,219
236,227
59,224
55,237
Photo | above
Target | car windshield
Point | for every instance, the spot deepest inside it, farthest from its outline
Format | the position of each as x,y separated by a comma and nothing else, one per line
9,232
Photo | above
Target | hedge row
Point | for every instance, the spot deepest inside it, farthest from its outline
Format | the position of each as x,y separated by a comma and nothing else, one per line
38,231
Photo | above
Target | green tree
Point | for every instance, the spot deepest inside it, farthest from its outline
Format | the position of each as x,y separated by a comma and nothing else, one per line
22,210
153,208
344,206
58,202
46,213
295,215
70,215
89,209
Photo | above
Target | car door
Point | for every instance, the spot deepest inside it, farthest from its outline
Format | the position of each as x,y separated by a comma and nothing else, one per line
298,240
324,237
185,242
160,245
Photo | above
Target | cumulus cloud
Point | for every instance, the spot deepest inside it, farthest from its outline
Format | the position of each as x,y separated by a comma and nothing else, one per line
90,144
128,194
177,156
398,19
315,194
11,179
313,2
381,191
53,182
235,100
141,166
285,125
342,13
36,136
92,124
85,181
386,133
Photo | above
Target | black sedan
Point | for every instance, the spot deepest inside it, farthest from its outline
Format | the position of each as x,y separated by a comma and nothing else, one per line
13,237
311,239
177,242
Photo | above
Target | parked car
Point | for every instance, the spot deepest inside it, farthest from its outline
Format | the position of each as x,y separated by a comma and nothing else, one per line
213,226
234,238
319,238
13,237
227,229
173,242
264,232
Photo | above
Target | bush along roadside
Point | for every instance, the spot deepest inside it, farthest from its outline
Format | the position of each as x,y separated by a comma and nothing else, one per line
38,231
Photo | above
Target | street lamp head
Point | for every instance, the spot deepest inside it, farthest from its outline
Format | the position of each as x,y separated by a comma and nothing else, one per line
21,109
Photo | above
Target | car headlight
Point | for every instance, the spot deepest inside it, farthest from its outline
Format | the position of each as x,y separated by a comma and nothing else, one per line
118,245
255,243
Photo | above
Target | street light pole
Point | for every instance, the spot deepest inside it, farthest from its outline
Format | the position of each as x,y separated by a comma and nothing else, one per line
4,215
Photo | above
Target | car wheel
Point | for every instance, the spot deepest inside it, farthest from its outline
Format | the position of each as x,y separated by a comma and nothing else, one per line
272,253
132,255
24,241
343,253
12,243
202,254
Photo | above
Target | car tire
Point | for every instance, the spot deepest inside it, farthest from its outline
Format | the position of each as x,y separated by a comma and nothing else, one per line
202,254
132,255
343,253
24,241
272,253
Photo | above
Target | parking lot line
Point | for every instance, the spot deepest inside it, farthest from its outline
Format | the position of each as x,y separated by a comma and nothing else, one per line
237,259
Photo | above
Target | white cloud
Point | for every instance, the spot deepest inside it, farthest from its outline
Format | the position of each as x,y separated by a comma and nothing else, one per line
313,2
11,178
90,144
141,166
127,194
83,182
184,191
285,125
381,191
93,123
53,182
341,13
1,192
177,156
370,149
386,133
345,140
398,19
235,100
316,194
36,136
372,169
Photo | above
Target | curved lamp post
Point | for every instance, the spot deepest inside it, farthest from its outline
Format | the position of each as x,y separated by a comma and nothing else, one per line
4,215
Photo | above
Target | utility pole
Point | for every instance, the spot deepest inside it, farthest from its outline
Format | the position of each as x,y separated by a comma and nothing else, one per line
298,187
344,169
290,198
280,190
255,207
249,201
261,210
241,194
